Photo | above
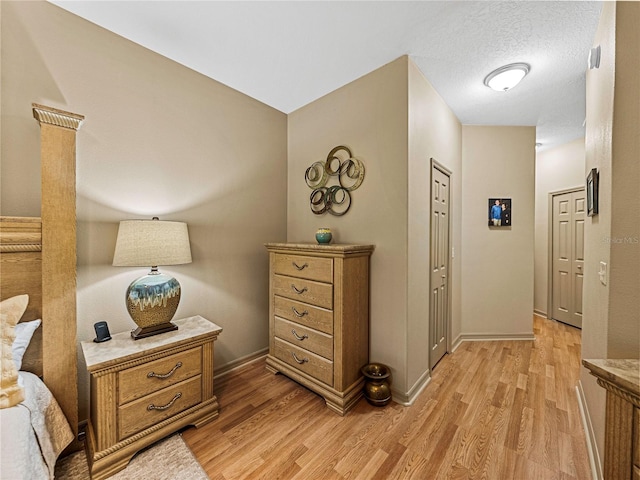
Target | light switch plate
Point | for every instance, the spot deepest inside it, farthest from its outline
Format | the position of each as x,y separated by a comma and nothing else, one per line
602,273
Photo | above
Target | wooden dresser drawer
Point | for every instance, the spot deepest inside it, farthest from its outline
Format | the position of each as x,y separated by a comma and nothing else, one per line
312,268
307,362
304,314
150,377
136,416
308,291
307,338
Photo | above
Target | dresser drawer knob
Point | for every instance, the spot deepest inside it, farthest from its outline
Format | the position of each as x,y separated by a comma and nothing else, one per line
295,357
295,334
297,290
164,375
298,314
168,405
300,267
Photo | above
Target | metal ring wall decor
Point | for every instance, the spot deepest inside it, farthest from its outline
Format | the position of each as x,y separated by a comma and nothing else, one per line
335,199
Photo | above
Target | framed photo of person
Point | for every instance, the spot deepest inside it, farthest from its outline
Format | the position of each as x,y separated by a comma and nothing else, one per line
592,192
499,212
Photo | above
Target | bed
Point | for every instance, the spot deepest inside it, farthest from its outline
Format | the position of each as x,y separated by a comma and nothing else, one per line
38,263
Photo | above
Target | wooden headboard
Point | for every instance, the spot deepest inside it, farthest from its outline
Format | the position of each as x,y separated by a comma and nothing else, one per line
21,272
38,257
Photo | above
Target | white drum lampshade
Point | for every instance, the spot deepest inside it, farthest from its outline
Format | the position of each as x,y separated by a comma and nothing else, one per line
152,300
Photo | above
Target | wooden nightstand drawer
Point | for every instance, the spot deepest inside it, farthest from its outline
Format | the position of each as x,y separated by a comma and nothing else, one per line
139,381
307,338
305,361
315,293
312,268
305,314
138,415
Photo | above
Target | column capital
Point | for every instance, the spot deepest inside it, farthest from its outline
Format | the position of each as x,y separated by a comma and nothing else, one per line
59,118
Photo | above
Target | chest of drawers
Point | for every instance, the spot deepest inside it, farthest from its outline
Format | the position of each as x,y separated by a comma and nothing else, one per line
144,390
319,318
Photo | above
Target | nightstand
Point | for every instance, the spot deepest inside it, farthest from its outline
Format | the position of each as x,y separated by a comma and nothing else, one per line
143,390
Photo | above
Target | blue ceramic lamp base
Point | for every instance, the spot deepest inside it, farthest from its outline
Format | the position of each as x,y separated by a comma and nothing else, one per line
152,301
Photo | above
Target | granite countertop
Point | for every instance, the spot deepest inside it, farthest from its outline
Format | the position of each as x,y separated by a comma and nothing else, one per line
624,373
122,347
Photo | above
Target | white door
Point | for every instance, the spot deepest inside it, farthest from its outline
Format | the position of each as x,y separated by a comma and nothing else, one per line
439,301
568,257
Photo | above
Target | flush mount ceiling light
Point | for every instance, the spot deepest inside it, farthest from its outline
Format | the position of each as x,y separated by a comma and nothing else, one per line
507,77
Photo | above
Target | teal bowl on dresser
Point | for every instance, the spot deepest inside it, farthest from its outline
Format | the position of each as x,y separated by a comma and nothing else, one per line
324,236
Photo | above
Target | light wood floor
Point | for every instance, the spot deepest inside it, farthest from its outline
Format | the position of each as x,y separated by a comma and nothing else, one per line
493,410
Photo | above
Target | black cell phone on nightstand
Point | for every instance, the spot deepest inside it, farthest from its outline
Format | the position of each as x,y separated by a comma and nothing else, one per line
102,332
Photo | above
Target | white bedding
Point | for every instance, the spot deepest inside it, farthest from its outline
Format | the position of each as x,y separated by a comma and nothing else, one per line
32,433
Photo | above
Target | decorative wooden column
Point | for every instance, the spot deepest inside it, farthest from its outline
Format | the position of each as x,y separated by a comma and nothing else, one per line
58,163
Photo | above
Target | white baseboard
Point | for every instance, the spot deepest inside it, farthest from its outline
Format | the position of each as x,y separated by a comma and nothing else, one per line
487,337
540,313
407,399
592,447
239,363
456,343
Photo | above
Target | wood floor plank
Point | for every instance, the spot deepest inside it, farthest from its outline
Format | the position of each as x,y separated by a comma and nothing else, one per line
492,410
411,465
515,420
357,458
372,466
394,456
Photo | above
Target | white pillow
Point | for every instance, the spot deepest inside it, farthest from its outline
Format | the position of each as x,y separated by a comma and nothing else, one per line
24,332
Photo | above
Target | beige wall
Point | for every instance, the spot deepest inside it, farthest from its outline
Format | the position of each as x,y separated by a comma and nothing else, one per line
610,320
434,132
369,116
395,122
497,263
624,277
557,169
158,139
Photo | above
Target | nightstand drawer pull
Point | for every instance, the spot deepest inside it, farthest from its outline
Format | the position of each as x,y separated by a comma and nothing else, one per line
298,314
295,334
299,292
164,375
295,357
300,267
168,405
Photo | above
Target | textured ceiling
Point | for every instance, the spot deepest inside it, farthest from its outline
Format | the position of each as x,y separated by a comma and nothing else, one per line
287,54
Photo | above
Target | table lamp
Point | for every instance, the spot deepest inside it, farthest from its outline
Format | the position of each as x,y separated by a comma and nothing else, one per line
152,300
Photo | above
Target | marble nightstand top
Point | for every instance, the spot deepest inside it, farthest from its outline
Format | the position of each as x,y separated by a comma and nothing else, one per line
624,373
122,347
